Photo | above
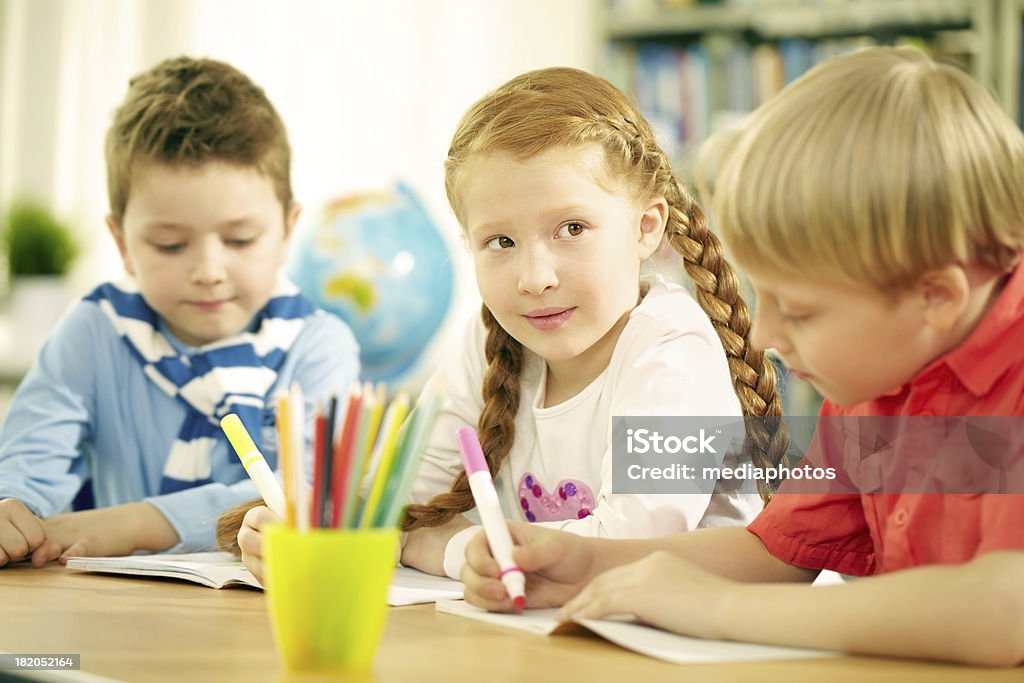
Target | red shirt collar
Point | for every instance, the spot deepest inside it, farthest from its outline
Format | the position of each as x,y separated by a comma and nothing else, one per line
984,356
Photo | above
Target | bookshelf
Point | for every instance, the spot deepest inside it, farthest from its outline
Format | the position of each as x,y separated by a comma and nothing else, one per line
695,67
1010,76
789,18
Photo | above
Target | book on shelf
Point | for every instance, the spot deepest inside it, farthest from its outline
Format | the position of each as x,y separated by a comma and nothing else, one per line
690,88
222,570
640,638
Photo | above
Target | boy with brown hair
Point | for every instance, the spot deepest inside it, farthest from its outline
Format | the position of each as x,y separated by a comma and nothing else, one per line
127,392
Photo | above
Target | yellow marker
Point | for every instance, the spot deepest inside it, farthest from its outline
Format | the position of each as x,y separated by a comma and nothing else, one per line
254,463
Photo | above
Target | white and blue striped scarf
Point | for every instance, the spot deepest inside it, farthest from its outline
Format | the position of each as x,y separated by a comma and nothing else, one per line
232,375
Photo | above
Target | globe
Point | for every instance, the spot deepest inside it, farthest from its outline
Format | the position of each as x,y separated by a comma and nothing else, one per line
379,262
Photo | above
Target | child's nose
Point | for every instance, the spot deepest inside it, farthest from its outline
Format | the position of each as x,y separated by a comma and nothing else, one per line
537,273
766,332
209,267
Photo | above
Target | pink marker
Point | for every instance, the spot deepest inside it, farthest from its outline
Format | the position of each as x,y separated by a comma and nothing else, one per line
491,516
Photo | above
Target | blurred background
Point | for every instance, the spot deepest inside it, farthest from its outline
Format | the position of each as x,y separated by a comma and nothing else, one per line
370,93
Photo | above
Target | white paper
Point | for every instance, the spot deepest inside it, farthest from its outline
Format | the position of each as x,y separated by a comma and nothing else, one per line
645,640
412,587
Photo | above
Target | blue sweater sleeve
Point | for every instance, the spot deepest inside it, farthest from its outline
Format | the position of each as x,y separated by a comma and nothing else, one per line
325,357
50,417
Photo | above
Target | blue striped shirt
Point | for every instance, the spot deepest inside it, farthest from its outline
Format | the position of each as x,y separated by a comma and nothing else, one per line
86,411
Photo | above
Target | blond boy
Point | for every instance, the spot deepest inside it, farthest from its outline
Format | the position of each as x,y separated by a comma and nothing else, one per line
877,205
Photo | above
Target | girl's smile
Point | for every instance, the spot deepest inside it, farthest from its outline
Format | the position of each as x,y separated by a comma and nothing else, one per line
552,228
550,318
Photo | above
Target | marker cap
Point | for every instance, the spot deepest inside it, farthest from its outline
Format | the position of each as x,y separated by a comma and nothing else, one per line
472,455
237,435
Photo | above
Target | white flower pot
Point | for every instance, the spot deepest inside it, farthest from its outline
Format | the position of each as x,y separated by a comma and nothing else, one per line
36,304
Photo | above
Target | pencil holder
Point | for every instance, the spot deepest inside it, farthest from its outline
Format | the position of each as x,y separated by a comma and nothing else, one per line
327,590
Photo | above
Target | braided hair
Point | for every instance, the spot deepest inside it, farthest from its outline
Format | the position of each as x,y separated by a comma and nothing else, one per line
563,107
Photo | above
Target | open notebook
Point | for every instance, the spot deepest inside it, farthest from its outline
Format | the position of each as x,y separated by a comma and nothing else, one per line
222,570
646,640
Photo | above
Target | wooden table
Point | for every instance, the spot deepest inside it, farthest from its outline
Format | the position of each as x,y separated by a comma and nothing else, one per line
135,629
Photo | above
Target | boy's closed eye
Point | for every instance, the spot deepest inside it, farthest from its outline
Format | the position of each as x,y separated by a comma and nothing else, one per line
794,318
788,312
169,248
241,234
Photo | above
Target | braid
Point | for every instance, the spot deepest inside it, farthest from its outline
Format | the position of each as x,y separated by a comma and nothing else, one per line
717,292
561,107
496,426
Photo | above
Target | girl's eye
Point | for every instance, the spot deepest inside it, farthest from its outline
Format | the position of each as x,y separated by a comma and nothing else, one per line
169,248
240,243
570,230
500,242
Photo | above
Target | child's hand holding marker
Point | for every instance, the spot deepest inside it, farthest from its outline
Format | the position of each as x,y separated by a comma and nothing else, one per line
491,516
250,537
341,461
250,534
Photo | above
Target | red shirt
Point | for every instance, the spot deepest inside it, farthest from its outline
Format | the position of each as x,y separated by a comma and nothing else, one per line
874,533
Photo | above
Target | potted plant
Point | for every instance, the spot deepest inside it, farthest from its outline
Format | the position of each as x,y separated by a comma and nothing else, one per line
38,245
40,250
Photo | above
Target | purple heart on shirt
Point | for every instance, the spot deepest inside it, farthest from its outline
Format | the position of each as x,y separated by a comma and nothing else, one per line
571,499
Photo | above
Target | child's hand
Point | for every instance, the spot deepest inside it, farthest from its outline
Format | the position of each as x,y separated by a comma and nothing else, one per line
250,538
662,590
557,565
21,533
116,530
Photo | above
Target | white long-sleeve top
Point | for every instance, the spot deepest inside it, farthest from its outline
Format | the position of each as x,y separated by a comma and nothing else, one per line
667,361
